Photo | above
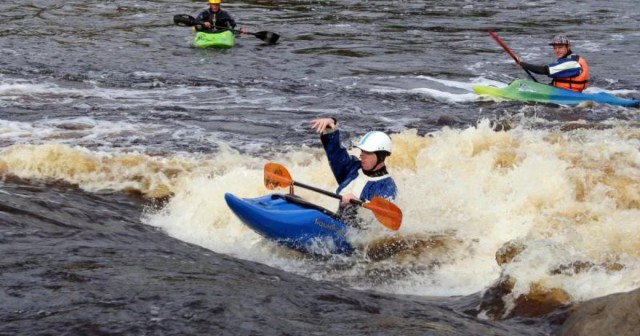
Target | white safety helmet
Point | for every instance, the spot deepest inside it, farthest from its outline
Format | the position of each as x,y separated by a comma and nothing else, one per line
375,141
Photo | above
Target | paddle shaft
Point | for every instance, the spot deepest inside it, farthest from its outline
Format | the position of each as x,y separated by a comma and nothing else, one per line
237,31
265,36
231,29
324,192
506,48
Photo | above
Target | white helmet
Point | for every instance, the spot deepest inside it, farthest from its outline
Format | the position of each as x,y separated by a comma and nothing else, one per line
375,141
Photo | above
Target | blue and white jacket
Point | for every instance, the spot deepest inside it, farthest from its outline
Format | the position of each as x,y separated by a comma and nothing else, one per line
567,66
349,175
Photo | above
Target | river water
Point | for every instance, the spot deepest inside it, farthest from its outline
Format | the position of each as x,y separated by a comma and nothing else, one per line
119,141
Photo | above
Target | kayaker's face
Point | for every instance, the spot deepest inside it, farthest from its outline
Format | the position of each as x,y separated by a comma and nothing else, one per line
368,160
214,7
560,50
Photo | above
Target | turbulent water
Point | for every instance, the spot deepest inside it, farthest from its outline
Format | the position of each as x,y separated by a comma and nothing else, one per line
119,141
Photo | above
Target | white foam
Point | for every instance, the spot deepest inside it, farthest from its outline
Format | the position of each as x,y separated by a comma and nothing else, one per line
567,197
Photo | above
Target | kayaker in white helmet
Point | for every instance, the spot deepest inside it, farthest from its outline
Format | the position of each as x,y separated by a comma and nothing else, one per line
215,18
569,71
358,178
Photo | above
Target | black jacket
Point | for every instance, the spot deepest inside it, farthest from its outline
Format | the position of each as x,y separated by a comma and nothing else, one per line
222,20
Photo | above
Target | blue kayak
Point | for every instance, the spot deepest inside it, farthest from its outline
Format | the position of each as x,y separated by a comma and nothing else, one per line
524,90
292,222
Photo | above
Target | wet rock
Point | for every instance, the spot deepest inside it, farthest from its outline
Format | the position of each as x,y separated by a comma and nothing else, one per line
508,251
581,266
492,303
615,314
539,300
409,246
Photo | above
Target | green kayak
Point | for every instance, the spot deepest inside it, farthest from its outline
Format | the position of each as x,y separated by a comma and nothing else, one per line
214,39
524,90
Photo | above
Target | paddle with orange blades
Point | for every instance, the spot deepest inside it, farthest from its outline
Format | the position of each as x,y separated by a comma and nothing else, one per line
387,213
515,58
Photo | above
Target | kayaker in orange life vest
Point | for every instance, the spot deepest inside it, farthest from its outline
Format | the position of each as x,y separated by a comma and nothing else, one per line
215,18
569,71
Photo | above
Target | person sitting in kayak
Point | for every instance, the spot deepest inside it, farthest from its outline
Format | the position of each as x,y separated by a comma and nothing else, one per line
569,71
358,178
214,18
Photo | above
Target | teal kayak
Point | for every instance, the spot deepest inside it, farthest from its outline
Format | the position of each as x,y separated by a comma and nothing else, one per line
214,39
524,90
292,222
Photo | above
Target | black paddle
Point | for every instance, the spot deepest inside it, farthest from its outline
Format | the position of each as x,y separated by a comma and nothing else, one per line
189,21
184,20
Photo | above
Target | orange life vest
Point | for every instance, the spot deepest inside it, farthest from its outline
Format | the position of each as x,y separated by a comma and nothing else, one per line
577,83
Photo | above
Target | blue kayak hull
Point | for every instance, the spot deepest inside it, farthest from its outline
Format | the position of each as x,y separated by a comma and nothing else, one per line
292,222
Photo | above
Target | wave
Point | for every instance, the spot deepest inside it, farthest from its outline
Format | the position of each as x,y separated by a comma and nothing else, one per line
564,205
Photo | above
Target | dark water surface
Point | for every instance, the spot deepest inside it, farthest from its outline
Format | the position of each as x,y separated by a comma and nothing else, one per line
74,271
106,112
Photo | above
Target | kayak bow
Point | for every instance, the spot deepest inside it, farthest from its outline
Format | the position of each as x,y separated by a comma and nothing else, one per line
292,222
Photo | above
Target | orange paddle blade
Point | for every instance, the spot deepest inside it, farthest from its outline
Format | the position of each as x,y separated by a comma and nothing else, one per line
276,176
386,212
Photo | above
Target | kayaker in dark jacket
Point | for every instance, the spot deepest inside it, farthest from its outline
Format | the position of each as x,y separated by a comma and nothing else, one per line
569,71
214,18
358,178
